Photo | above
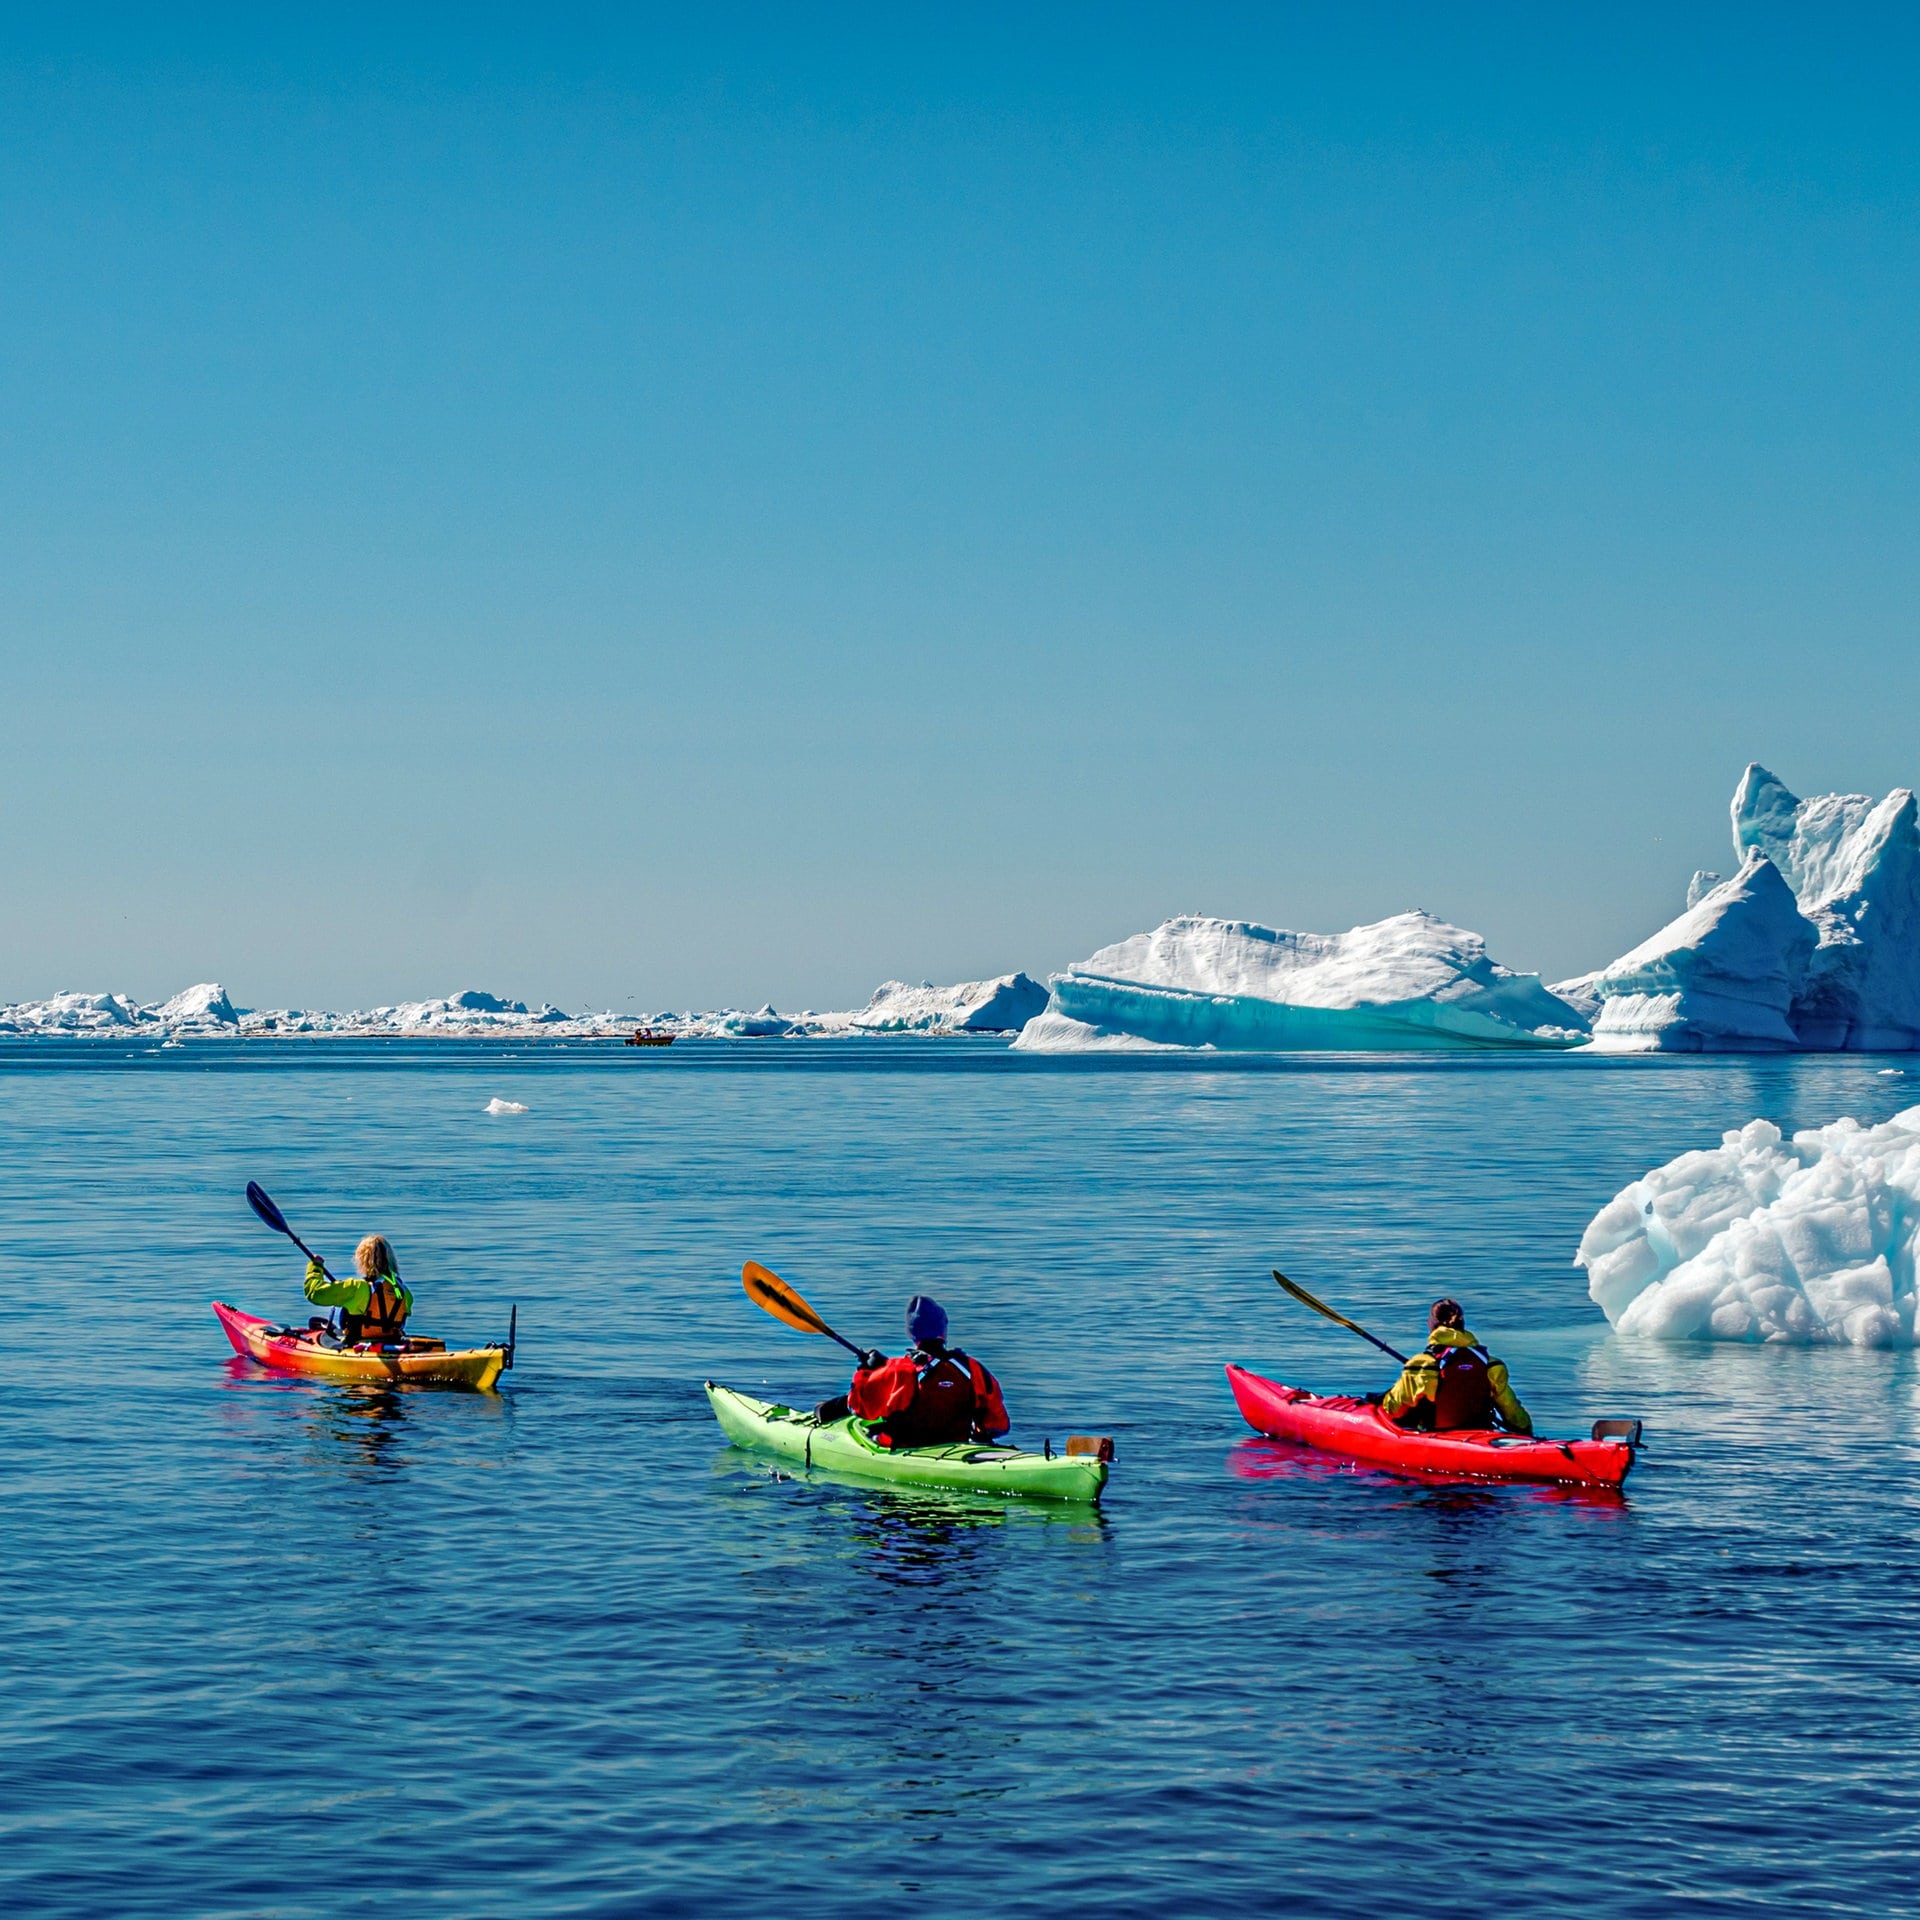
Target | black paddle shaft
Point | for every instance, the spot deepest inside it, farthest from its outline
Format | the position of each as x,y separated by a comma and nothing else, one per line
262,1203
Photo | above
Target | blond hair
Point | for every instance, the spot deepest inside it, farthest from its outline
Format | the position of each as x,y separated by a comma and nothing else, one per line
374,1258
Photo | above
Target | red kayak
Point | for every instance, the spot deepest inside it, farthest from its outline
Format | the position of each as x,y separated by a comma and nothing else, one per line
1362,1432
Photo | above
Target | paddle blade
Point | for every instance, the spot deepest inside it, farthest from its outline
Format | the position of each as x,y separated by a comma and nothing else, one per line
772,1295
257,1199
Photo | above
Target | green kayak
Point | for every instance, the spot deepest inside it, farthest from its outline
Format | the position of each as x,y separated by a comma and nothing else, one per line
843,1446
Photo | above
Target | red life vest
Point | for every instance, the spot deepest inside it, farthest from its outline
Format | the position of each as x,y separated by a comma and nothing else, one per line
385,1321
1463,1396
946,1393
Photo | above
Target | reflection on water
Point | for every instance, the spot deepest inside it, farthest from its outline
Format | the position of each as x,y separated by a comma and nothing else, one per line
1263,1458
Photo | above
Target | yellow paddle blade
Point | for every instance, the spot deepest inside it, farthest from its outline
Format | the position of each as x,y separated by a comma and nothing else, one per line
772,1294
1319,1306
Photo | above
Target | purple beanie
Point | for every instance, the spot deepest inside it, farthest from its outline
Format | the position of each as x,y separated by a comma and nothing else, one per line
926,1319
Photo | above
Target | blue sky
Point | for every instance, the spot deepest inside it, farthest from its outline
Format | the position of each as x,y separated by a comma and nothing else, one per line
722,505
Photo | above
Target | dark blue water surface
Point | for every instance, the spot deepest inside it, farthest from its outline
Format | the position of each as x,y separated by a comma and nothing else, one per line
283,1649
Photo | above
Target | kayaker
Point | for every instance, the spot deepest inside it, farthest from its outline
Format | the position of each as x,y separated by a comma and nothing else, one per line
933,1396
373,1307
1456,1382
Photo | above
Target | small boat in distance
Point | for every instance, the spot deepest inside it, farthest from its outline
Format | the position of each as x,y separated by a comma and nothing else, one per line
646,1037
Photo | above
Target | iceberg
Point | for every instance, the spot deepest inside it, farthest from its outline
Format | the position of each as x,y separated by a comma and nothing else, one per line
1813,945
1001,1005
1811,1241
1409,982
1004,1005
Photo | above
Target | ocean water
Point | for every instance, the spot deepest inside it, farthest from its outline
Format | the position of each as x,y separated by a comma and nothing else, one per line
296,1650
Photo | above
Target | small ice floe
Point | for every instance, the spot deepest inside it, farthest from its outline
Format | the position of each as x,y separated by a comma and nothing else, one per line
1809,1241
1884,1071
497,1105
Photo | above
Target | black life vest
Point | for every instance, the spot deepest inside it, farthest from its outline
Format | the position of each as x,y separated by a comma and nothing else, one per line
1463,1396
385,1320
941,1411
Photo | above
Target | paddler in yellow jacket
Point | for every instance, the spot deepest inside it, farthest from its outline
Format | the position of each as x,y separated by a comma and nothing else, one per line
375,1305
1456,1382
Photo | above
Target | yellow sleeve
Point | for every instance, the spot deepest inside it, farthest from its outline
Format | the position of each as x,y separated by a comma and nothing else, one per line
1419,1381
1506,1403
351,1294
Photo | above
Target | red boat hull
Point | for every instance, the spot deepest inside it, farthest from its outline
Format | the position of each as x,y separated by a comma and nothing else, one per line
1363,1432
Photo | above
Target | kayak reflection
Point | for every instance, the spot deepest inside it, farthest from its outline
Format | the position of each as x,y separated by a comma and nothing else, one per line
1264,1459
935,1516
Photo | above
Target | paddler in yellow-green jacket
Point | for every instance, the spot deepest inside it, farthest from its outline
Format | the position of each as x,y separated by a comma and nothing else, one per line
1456,1382
375,1306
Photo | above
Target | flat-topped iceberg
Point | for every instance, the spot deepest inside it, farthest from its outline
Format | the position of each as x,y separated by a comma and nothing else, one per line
1814,945
1811,1240
1410,982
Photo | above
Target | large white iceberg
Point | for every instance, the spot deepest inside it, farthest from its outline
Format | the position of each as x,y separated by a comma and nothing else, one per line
1410,982
1811,1240
1813,945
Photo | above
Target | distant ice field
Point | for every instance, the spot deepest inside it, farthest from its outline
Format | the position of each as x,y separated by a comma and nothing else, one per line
289,1649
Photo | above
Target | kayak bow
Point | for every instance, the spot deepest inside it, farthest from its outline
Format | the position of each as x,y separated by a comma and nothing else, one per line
844,1447
1360,1431
425,1362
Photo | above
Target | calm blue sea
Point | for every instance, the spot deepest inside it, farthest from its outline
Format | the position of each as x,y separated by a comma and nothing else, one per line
291,1650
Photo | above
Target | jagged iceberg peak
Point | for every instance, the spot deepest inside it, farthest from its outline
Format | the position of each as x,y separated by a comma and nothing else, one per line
1854,866
1813,945
1811,1241
1411,981
1723,974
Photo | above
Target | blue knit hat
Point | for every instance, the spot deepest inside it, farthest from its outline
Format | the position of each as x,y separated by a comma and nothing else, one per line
926,1319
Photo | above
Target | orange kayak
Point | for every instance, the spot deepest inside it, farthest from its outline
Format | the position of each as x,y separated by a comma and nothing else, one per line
295,1350
1360,1431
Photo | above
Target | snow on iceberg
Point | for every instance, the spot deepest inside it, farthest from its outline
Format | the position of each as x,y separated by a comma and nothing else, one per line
1811,1241
73,1013
1720,978
1410,982
205,1007
1004,1005
1814,945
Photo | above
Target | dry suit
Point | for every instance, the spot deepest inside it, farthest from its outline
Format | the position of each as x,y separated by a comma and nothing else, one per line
1456,1382
934,1396
374,1310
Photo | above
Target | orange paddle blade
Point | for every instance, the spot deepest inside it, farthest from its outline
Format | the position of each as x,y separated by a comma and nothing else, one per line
769,1292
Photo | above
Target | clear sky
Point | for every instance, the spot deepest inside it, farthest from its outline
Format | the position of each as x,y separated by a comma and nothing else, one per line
738,503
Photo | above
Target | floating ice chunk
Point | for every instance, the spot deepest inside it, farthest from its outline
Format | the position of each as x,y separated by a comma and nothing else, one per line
1410,982
497,1105
1811,1240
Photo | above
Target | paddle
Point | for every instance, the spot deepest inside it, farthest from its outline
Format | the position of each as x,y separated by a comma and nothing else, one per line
262,1204
772,1295
1339,1319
